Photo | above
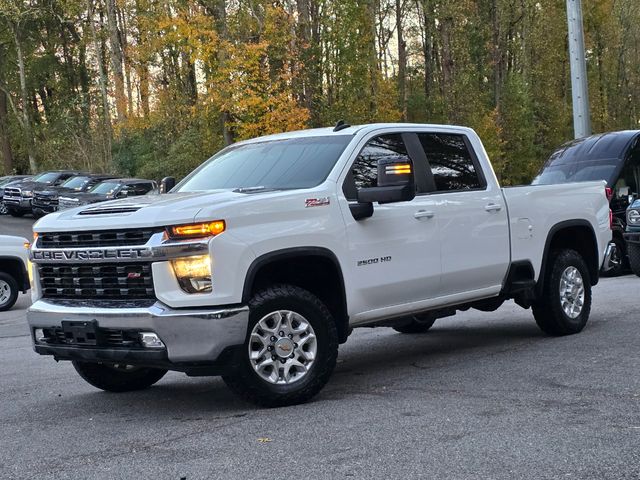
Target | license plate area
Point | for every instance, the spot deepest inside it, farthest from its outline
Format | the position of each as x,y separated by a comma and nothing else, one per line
81,333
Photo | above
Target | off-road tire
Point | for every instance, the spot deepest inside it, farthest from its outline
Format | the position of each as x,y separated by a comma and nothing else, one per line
243,379
3,209
547,309
13,291
634,257
415,324
112,379
16,213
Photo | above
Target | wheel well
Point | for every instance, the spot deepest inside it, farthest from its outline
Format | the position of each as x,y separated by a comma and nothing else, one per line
318,273
15,268
578,237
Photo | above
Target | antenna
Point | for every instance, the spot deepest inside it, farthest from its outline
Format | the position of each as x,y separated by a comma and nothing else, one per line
341,125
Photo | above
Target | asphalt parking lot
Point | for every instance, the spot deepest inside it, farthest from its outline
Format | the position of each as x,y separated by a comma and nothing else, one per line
482,395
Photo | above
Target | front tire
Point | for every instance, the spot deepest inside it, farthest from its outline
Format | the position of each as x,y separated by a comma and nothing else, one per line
290,350
619,262
634,257
16,213
8,291
565,303
118,378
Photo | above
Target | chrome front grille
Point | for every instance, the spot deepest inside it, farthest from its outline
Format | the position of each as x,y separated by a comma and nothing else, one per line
45,201
108,281
12,195
105,238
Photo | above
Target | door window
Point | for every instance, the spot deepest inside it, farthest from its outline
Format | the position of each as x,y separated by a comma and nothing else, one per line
452,165
139,189
364,171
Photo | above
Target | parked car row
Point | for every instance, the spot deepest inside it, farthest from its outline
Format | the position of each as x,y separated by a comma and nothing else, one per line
51,191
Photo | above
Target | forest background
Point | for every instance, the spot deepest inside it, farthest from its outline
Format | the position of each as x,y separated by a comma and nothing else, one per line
154,87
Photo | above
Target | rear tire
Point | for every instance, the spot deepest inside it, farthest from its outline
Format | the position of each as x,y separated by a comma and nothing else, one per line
273,371
118,378
565,303
416,324
634,257
8,291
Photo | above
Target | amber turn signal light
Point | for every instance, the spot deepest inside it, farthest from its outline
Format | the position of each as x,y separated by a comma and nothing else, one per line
197,230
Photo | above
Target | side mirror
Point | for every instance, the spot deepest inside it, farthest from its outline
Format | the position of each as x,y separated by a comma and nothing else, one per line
396,183
166,184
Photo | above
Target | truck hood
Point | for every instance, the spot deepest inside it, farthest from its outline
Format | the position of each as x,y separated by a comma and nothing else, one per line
148,211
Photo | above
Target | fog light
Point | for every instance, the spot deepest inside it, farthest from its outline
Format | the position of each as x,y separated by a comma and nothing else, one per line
150,340
193,273
38,334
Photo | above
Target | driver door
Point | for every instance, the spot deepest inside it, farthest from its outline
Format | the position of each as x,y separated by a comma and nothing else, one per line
395,253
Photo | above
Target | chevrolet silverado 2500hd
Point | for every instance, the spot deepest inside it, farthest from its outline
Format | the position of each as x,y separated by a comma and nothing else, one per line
259,264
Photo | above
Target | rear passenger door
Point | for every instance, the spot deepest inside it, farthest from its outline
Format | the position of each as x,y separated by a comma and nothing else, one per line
471,215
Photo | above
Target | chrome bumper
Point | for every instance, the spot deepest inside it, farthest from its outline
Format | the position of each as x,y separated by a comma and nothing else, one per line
192,335
17,202
608,255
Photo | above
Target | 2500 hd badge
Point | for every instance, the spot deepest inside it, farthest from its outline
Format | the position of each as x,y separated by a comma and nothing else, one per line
372,261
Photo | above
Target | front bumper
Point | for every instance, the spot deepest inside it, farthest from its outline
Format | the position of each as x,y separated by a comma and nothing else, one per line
632,237
193,338
609,255
17,203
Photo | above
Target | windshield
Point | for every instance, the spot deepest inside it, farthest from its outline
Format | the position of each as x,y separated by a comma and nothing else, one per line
105,188
76,183
554,173
277,164
49,177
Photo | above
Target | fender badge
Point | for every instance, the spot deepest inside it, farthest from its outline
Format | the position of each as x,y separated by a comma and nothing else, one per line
317,202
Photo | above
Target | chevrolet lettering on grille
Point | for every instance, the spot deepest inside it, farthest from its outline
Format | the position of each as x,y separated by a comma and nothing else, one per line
83,255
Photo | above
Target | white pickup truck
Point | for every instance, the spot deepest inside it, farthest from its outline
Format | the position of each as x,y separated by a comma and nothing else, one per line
260,263
13,270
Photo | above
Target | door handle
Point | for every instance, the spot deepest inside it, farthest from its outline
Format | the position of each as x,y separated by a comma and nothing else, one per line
423,214
493,207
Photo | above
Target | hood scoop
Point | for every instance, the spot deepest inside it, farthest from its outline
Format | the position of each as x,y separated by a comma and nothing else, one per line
111,209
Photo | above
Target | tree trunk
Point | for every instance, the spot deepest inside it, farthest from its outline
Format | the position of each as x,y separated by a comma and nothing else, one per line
102,80
402,62
5,143
220,13
116,60
26,120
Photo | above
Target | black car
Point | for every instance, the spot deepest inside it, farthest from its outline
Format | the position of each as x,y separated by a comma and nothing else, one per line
613,157
17,196
46,200
108,190
4,181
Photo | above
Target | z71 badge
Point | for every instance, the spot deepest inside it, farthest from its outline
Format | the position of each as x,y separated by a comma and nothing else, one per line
317,202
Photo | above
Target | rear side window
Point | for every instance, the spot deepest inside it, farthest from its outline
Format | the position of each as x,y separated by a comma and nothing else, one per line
451,162
383,147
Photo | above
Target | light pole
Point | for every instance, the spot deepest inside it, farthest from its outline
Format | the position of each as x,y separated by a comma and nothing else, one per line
579,85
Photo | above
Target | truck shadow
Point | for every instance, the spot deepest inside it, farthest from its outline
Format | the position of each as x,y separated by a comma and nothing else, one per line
371,359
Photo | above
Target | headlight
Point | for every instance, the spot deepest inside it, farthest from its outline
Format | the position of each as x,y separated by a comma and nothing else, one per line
633,217
193,273
27,193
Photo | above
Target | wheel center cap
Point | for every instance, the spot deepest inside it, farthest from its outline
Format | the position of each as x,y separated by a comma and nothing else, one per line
284,347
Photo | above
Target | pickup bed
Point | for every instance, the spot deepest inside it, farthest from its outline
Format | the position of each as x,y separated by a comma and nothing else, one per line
260,263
